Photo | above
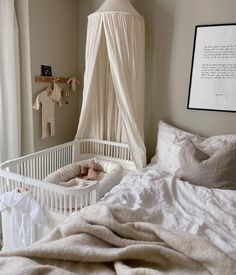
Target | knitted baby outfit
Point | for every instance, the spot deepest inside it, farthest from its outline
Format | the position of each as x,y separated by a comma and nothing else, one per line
48,100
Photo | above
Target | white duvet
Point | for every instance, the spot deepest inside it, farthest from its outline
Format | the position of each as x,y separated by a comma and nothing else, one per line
180,206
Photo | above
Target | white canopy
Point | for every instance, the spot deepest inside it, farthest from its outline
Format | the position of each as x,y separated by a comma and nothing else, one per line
113,97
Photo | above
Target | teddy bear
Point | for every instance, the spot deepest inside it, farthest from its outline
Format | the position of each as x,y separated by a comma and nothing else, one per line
89,172
83,171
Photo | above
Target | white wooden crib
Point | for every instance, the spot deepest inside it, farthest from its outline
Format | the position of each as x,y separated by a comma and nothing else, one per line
59,202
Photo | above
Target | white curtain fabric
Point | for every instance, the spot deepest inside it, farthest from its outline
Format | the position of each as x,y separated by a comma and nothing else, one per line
113,98
10,140
27,127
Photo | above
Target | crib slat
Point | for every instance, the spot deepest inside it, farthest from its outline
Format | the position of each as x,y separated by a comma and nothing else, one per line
1,185
86,199
76,202
47,200
51,201
81,201
70,204
65,204
60,203
56,202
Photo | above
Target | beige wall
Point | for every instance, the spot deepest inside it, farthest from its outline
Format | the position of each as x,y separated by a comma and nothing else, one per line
169,40
54,40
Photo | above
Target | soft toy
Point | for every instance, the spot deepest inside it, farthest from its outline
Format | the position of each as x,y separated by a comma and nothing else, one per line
92,174
73,81
83,171
89,172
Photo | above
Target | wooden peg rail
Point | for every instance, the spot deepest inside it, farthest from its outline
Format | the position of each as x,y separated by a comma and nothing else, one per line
50,79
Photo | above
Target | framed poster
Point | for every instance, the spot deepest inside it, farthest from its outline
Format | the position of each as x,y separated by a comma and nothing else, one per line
213,72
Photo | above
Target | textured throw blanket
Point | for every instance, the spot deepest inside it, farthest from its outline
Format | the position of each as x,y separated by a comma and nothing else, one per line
105,239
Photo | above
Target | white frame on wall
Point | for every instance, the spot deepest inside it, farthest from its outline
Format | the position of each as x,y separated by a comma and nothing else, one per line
213,72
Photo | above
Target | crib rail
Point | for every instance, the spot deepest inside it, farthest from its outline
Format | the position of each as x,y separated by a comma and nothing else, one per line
29,171
58,201
54,198
108,150
40,164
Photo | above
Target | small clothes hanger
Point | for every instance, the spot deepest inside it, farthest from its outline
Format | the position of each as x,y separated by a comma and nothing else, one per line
56,93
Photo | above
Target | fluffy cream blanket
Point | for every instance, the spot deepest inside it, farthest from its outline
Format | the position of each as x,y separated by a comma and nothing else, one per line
105,239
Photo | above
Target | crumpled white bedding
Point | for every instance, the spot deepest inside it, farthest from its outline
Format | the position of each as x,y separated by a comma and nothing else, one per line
179,206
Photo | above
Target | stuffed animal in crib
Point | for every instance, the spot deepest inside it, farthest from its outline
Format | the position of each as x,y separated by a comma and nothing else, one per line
89,172
92,174
83,171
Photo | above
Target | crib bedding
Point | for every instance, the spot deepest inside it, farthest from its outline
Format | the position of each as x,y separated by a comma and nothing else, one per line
110,175
179,206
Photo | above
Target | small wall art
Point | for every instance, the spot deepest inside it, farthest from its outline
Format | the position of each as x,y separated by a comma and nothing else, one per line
46,70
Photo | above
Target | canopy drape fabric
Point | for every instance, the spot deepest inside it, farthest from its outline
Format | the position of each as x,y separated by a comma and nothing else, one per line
113,96
10,133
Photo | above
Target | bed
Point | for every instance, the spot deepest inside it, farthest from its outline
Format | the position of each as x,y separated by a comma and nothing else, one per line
153,222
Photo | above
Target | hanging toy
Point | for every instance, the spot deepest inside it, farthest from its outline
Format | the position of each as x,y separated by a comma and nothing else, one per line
66,95
73,81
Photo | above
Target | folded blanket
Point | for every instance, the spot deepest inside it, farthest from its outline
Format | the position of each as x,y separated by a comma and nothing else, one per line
106,239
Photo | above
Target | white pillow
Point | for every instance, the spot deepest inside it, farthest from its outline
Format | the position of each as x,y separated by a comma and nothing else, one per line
212,144
170,139
169,142
216,171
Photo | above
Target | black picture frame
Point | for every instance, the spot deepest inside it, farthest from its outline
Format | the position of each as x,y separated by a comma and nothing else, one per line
212,85
46,70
